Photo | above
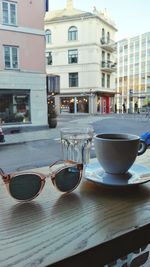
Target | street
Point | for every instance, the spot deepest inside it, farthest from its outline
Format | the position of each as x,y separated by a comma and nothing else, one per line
41,153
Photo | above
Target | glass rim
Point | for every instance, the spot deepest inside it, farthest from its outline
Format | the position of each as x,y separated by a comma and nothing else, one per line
77,129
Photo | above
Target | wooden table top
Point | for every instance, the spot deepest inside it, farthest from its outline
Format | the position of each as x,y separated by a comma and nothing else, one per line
81,227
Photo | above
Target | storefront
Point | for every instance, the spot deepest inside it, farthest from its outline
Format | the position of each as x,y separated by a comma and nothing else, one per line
15,106
105,104
92,103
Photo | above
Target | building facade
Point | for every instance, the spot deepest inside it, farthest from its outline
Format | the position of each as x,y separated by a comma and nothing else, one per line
133,75
23,98
80,60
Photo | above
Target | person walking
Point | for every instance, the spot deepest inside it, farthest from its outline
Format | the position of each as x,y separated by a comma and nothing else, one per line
124,107
136,107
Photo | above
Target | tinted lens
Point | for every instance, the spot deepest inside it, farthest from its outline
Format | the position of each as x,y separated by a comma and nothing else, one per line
25,186
67,179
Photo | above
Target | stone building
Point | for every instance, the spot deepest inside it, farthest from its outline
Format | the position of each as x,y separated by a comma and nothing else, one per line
80,60
23,98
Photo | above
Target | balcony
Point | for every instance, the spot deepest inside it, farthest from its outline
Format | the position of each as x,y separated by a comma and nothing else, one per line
109,66
108,44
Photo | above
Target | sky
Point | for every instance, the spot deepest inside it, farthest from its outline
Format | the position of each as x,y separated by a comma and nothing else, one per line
132,17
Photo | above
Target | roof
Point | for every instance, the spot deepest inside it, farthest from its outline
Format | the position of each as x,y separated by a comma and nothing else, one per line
70,13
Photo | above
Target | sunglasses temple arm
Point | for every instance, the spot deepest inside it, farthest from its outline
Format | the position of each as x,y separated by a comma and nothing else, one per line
2,173
52,164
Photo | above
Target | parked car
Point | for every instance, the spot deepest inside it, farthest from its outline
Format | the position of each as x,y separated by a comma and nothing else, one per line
2,137
144,142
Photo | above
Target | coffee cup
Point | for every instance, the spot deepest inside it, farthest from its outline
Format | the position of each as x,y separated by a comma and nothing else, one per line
116,152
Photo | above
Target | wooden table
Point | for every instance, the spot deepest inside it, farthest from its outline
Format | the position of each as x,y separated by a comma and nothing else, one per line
89,227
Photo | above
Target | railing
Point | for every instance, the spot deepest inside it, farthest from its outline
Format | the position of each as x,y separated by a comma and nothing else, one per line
109,65
108,44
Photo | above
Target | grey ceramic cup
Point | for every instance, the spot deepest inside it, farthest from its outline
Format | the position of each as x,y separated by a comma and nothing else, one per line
115,152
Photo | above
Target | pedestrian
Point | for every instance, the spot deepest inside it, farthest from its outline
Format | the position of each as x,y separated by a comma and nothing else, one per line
124,107
115,108
136,107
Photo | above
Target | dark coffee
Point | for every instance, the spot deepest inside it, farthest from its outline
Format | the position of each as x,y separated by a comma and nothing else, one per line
115,138
122,137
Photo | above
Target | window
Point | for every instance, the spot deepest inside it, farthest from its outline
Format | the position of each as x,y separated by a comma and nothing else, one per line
103,36
53,84
103,79
15,106
108,81
49,60
103,59
103,33
48,37
108,37
103,56
108,58
72,33
9,13
73,79
11,57
73,56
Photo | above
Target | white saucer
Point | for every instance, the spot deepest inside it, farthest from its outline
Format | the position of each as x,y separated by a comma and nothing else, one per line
136,175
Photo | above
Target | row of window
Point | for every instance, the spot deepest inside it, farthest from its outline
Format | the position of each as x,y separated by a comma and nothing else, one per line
9,17
72,57
74,80
72,35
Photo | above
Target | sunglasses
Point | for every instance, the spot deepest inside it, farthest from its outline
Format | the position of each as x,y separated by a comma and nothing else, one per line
25,186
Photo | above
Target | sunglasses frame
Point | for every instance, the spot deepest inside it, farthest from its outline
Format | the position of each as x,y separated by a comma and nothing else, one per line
67,163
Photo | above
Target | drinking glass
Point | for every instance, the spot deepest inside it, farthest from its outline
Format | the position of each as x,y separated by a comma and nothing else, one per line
76,143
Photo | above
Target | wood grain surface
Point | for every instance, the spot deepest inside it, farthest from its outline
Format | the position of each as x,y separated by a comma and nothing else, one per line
87,226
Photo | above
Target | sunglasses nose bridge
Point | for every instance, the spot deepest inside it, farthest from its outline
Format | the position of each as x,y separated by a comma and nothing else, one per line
6,178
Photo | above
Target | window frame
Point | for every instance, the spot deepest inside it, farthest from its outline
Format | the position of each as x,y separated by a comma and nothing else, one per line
48,36
49,57
73,81
9,15
72,33
11,57
72,55
108,80
103,80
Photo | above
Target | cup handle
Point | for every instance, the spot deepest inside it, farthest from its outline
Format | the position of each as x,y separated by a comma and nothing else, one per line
142,147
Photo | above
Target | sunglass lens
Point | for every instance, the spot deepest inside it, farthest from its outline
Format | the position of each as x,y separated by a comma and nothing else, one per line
25,186
67,179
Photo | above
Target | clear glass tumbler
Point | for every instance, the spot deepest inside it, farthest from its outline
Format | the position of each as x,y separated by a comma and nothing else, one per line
76,143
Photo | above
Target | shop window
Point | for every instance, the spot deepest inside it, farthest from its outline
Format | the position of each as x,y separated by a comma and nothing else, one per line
72,33
73,79
15,106
11,57
73,56
74,104
9,10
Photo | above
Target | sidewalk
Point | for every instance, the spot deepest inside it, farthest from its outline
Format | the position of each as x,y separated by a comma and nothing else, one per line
47,134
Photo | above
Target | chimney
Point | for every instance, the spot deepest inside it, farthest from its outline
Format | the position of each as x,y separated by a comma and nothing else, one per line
69,4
